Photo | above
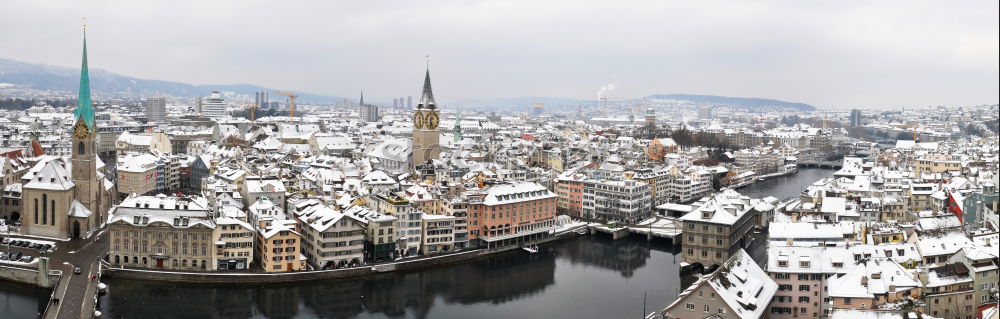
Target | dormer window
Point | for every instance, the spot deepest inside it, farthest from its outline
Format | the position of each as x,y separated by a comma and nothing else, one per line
804,264
782,263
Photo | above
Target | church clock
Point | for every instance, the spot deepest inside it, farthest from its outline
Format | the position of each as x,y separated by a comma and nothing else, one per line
80,131
432,121
418,120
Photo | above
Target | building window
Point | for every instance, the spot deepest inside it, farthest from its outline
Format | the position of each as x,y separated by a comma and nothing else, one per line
45,208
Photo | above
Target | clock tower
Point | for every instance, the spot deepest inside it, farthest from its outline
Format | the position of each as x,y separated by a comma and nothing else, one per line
426,117
84,151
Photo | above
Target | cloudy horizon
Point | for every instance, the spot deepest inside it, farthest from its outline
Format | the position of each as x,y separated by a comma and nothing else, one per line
827,54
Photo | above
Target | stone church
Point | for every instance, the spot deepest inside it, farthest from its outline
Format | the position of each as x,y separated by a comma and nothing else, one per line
69,197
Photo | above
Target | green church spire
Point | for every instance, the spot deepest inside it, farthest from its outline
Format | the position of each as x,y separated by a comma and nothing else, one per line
458,126
84,110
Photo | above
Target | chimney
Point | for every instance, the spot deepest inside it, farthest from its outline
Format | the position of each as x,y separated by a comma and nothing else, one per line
864,281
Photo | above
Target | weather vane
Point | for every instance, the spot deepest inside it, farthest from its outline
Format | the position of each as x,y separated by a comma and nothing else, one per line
84,23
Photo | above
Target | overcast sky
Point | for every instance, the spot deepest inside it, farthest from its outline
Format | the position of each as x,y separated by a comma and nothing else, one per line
825,53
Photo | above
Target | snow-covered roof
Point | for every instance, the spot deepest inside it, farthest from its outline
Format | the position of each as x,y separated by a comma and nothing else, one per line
516,192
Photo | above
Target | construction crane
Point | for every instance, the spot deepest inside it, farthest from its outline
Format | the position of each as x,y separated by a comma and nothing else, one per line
252,107
291,103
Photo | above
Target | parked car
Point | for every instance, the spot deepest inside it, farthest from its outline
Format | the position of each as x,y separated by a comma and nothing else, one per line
15,256
29,259
3,256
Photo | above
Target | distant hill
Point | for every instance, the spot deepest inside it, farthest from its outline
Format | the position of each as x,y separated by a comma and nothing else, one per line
746,102
523,103
57,78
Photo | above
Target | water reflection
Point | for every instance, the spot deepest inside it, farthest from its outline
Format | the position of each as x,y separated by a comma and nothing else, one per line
484,284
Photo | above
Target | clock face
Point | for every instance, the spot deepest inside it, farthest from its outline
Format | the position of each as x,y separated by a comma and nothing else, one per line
418,120
432,121
80,131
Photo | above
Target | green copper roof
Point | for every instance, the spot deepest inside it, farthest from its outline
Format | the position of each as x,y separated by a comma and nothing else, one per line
84,110
458,126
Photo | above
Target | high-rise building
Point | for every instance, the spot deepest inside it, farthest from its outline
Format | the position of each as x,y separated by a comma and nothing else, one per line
214,106
426,117
368,112
260,99
705,112
650,117
856,118
156,109
395,102
409,102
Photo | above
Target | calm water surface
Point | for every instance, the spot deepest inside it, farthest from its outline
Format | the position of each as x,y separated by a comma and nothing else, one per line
21,301
586,277
786,186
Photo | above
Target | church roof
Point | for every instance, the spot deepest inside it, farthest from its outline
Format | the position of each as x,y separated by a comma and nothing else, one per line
78,210
427,96
52,176
84,110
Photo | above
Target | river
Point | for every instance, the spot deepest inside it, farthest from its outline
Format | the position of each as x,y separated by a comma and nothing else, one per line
786,186
19,300
585,277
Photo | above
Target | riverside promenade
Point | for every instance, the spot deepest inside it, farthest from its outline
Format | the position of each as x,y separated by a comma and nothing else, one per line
310,275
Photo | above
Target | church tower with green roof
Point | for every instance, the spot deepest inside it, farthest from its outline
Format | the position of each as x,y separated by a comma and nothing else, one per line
84,152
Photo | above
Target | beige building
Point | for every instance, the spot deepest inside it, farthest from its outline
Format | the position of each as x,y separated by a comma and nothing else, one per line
717,228
278,246
128,142
137,174
438,234
234,244
162,232
949,292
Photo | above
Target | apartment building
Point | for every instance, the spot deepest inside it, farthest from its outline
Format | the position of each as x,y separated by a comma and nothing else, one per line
874,283
569,188
438,234
458,207
331,239
408,223
803,274
278,246
949,292
234,244
137,174
623,201
380,233
716,228
738,290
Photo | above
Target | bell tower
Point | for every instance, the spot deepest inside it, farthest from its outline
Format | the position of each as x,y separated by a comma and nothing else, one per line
84,150
426,118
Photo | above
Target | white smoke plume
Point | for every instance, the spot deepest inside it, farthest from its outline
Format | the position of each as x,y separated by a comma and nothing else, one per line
605,89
